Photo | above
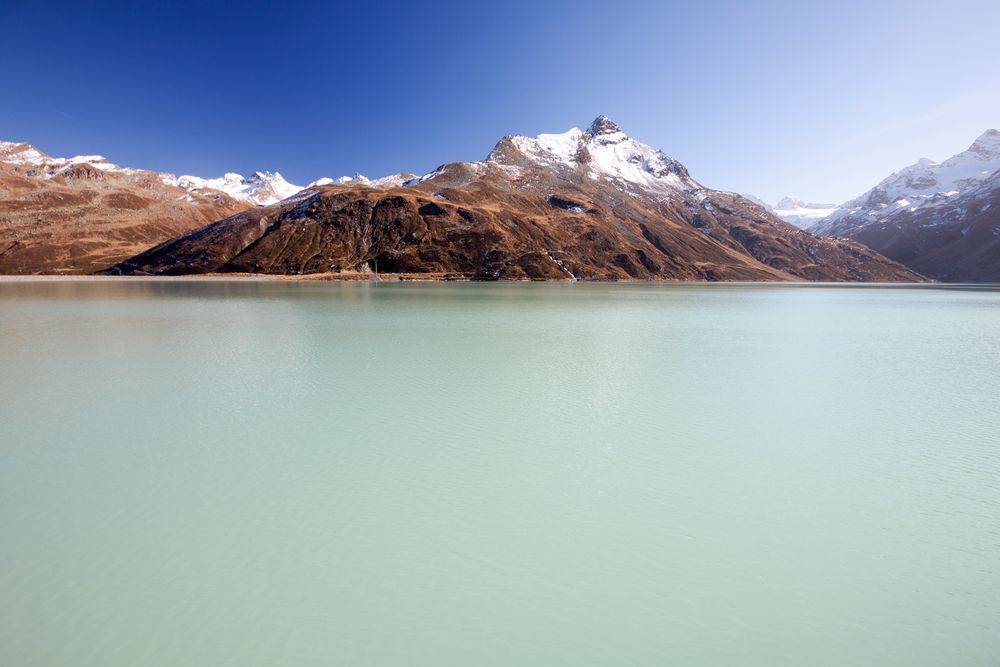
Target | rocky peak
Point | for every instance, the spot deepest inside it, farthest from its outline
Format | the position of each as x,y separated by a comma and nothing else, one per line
265,177
603,125
987,145
602,152
788,202
20,152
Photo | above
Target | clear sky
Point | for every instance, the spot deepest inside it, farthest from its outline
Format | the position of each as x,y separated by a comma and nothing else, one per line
817,99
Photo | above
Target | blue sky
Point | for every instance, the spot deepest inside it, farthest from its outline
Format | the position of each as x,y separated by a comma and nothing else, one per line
818,99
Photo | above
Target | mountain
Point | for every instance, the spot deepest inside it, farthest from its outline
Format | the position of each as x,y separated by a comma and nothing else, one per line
84,213
395,180
584,204
801,214
261,189
957,242
941,219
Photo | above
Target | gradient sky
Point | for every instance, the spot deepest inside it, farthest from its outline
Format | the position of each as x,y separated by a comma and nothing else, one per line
817,99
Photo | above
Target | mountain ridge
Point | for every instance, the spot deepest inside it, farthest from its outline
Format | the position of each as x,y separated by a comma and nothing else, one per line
941,219
923,184
81,214
582,204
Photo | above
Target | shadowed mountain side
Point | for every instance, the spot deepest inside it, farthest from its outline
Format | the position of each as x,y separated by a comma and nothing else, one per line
941,219
957,243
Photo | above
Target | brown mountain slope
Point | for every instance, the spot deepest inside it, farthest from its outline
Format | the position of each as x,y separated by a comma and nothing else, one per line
78,218
598,205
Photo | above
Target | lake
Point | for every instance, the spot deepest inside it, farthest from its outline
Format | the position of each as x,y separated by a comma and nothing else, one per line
304,473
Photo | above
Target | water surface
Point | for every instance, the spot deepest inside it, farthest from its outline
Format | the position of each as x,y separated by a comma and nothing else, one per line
268,473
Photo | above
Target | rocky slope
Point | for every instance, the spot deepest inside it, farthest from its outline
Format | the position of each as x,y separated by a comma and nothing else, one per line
82,214
940,219
592,204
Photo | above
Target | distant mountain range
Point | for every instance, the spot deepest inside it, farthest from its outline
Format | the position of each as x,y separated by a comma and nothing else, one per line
801,214
82,214
584,204
262,188
940,219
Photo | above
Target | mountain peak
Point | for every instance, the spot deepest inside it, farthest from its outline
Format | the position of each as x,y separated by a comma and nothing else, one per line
987,144
603,151
789,201
266,177
603,125
20,152
262,188
799,213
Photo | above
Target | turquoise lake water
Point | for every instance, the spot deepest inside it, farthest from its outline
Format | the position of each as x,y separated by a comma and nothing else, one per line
270,473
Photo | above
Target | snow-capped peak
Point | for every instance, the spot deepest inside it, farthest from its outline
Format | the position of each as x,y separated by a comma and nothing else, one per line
986,146
788,201
340,180
26,155
799,213
603,125
263,188
390,181
923,184
357,179
20,153
604,151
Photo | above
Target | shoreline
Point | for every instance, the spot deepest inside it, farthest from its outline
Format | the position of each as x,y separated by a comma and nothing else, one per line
398,279
249,277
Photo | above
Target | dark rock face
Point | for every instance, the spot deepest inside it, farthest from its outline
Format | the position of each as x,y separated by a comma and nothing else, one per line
956,243
567,204
603,125
83,172
940,219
